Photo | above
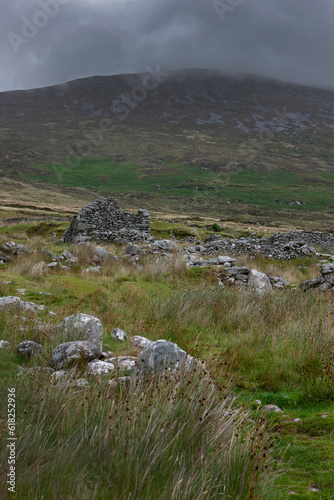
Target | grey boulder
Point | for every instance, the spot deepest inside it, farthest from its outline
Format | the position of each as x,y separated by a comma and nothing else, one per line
81,327
161,355
271,409
97,367
139,341
70,352
259,281
28,348
119,334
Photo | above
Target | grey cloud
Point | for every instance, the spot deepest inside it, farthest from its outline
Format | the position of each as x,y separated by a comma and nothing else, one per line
284,39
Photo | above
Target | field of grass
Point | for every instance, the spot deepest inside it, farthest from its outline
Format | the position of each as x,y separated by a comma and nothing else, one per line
276,348
266,189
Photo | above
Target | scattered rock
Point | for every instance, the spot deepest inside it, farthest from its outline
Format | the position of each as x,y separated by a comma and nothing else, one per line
139,341
28,348
132,250
162,354
124,363
120,381
46,371
81,327
92,270
271,409
50,254
52,265
70,352
4,344
98,367
101,254
118,334
259,281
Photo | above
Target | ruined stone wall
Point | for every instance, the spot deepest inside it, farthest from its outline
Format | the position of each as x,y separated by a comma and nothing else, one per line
103,220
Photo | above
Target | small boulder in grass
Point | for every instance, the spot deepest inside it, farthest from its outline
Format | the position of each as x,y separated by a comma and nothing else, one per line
139,341
119,334
259,282
272,409
28,348
81,327
97,367
66,354
161,355
4,344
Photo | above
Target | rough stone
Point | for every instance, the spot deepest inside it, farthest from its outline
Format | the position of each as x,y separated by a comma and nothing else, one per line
4,344
28,348
162,354
259,281
314,283
103,220
120,381
118,334
81,327
271,409
70,352
132,250
139,341
97,367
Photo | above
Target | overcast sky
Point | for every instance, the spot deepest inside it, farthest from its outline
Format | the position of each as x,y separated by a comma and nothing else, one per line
290,40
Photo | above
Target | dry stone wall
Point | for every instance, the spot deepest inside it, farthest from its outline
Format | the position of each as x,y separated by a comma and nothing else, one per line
103,220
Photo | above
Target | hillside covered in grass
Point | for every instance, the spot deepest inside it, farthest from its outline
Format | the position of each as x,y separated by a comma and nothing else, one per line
200,436
245,148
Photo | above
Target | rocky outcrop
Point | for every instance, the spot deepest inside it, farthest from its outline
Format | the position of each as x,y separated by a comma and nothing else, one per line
103,220
81,327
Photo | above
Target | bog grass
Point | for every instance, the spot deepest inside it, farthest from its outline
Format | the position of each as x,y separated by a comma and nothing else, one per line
149,442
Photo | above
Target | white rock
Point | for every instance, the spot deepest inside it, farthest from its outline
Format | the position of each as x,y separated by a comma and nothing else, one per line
98,367
259,281
162,354
118,334
139,341
4,344
70,352
81,327
272,409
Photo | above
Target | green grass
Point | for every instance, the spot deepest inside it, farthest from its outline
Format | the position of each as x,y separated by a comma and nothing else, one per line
271,348
272,188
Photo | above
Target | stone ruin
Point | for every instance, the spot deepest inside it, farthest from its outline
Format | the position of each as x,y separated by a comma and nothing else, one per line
103,220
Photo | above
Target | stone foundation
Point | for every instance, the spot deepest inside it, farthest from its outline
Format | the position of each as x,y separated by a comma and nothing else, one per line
103,220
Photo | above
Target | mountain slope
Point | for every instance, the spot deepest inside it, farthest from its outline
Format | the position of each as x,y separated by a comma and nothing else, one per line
196,135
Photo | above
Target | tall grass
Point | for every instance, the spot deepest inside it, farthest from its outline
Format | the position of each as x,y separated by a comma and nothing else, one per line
170,438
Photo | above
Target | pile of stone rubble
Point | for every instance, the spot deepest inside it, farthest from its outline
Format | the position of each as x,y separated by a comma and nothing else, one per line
323,282
9,249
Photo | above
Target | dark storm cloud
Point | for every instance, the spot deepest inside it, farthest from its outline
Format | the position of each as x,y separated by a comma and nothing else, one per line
51,41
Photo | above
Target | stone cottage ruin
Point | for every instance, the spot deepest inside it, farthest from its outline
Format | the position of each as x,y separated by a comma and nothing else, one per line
103,220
